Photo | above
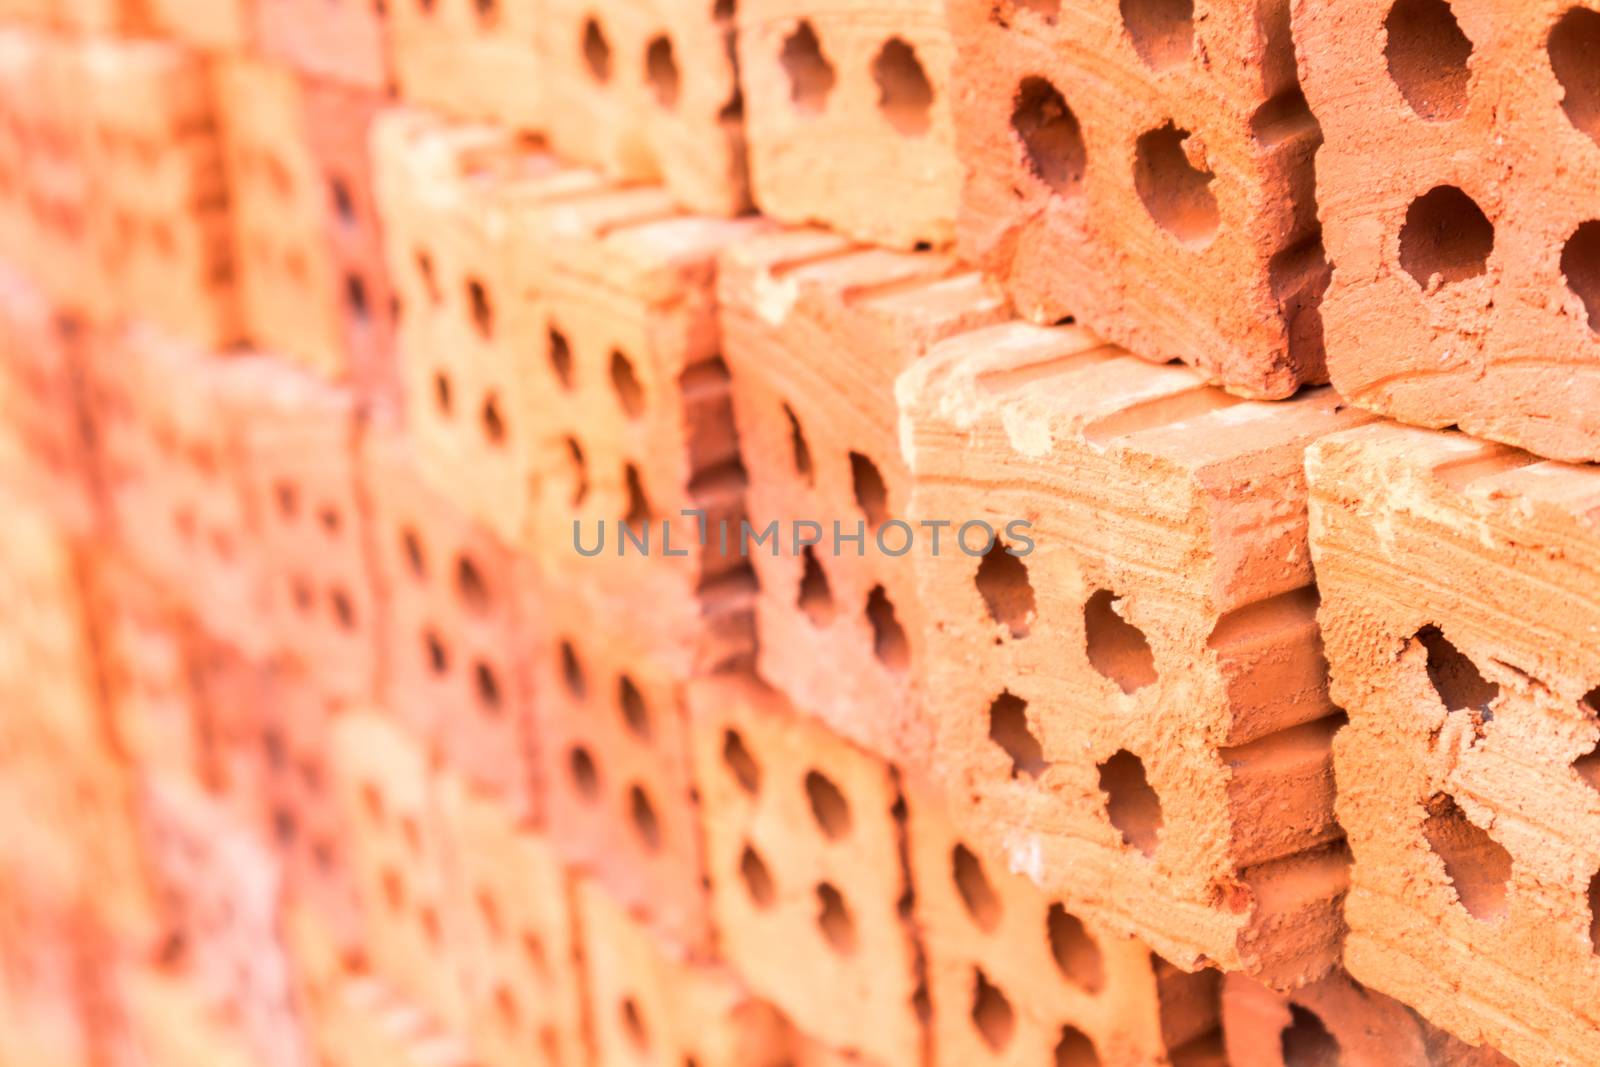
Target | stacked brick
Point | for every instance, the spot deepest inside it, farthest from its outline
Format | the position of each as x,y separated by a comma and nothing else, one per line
798,535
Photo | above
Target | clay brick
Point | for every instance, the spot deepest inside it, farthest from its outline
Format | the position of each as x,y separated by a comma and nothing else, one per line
472,60
1120,167
648,90
44,954
1016,978
173,1021
368,1024
1165,568
514,912
815,330
1477,241
848,112
98,16
457,630
1451,571
213,25
340,42
804,846
1337,1020
652,1006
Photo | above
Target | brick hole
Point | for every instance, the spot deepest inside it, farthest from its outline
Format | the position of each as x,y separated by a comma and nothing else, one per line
757,879
889,642
872,495
629,392
488,11
1008,728
425,6
1075,952
816,598
1052,139
661,71
489,912
506,1007
633,1024
977,895
372,802
355,296
811,76
550,1045
430,924
411,546
580,472
494,427
394,890
1574,44
343,612
905,95
1594,914
723,9
992,1015
1131,805
328,516
834,919
1306,1042
1427,55
438,657
560,352
1476,865
643,815
442,394
1446,238
800,450
1455,678
1075,1049
572,673
828,806
344,205
482,310
1580,261
1117,648
538,959
412,834
596,51
1162,31
487,687
288,499
740,763
283,826
1003,583
470,584
638,512
430,281
585,776
634,712
1175,186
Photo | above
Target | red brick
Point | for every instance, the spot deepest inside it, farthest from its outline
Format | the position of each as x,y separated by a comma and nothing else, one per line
214,25
1477,240
804,845
1451,572
457,625
341,42
652,1006
815,329
173,1021
1139,698
1017,978
366,1023
849,117
1120,168
98,16
472,60
44,955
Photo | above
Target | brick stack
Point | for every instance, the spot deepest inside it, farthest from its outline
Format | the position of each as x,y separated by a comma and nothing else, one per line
875,534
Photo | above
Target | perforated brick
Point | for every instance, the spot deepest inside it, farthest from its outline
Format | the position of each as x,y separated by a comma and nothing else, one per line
470,59
343,41
172,1021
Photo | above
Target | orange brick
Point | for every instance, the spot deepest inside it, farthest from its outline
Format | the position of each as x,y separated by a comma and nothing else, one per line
45,955
341,42
217,25
368,1024
472,60
1165,568
804,846
1453,575
173,1022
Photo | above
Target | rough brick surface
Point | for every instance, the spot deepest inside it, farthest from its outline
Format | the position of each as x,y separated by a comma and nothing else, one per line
804,846
213,25
814,331
848,115
472,60
1454,577
1466,283
367,1023
1123,160
1134,711
172,1021
341,42
1016,978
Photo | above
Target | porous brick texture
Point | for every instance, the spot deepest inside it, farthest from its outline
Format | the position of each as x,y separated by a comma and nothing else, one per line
471,59
1129,692
1146,167
1467,775
1456,186
342,41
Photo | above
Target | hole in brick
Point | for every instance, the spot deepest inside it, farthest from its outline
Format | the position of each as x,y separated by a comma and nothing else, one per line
643,814
441,392
889,641
743,766
634,712
488,687
580,472
722,9
430,281
1173,179
413,835
757,879
596,51
1455,677
482,312
991,1012
506,1006
560,357
1075,952
585,777
1003,584
638,512
1116,647
661,71
489,912
872,495
799,448
1306,1042
1580,262
1050,135
811,76
973,886
828,806
1427,55
1008,728
438,658
470,586
394,890
329,517
494,427
1075,1049
343,613
626,383
1594,914
355,296
411,545
430,925
1574,44
1446,238
1162,31
816,598
633,1024
533,949
487,10
288,500
1131,805
904,94
572,672
344,206
834,920
1476,865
